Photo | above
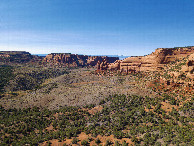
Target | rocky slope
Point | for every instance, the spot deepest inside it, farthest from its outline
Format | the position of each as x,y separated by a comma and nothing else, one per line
152,62
15,56
18,57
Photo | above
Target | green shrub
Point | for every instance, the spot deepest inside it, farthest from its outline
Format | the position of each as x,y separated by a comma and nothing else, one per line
108,142
97,141
84,143
75,140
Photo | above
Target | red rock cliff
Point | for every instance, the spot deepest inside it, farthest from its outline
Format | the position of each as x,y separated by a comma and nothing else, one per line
68,59
154,61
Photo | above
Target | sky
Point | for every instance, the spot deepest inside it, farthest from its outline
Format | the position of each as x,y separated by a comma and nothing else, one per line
95,27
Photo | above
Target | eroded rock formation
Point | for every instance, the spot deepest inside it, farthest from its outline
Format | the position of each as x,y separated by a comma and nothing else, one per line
188,69
73,60
152,62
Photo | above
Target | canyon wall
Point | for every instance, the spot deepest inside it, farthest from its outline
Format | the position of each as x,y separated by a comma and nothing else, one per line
59,59
73,60
152,62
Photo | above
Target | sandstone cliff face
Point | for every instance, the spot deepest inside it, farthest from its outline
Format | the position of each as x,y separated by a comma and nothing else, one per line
153,62
74,60
65,58
188,69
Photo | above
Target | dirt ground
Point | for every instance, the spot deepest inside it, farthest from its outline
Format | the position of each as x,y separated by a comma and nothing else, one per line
83,136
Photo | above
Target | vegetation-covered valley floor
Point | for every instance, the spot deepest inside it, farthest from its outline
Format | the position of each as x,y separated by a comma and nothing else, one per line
141,120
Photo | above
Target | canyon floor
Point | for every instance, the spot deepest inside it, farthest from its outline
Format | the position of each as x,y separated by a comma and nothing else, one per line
77,88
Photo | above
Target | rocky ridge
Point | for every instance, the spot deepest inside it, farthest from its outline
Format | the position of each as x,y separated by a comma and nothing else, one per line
54,59
15,56
74,60
18,57
152,62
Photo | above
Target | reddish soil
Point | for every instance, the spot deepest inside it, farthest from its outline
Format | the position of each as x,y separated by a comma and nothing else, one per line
95,109
83,136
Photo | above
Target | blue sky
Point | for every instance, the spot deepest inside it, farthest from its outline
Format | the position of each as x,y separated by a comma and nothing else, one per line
95,27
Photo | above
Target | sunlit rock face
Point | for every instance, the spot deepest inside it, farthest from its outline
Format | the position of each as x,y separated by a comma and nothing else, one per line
152,62
69,59
188,69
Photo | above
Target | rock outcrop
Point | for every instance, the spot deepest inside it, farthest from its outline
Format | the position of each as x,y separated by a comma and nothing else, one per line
74,60
188,69
152,62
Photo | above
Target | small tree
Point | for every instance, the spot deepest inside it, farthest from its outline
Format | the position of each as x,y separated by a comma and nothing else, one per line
75,140
117,143
84,143
124,143
108,142
97,141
